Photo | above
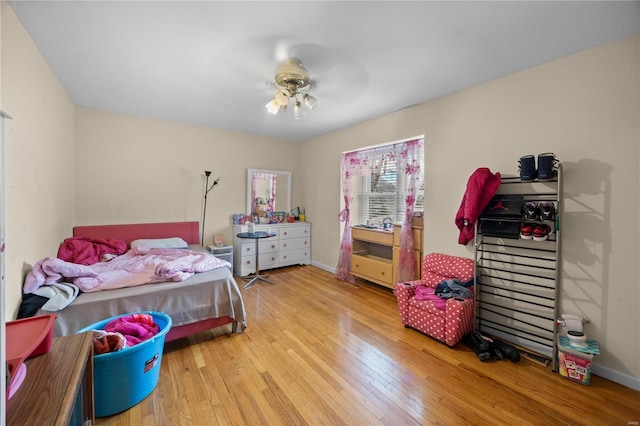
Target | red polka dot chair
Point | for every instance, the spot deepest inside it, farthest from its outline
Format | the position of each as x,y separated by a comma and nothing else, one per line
447,320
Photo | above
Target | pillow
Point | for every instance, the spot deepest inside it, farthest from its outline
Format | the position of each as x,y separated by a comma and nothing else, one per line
174,242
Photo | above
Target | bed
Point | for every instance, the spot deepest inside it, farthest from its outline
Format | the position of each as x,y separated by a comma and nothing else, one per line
205,300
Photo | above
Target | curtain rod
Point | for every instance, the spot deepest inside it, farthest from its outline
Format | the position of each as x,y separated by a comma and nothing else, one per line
385,144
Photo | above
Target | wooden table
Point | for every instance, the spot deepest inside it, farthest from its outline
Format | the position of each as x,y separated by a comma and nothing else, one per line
58,388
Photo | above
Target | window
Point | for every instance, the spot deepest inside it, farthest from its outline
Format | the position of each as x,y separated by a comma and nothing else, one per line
381,188
379,182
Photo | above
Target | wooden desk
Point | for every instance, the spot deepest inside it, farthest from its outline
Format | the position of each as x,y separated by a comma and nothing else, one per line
58,388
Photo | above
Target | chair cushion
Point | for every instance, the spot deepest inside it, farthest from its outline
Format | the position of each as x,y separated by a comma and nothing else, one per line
423,294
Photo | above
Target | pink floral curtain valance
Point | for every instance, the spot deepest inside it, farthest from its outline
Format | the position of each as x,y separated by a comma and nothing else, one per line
357,164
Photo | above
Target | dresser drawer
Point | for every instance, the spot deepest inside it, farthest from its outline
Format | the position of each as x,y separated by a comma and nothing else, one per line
246,265
298,231
267,260
372,235
377,269
417,237
292,257
269,245
294,244
248,249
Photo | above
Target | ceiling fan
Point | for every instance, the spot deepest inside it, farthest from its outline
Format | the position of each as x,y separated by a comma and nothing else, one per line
292,83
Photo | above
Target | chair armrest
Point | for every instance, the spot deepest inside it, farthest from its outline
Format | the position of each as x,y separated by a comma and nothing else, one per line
405,291
459,319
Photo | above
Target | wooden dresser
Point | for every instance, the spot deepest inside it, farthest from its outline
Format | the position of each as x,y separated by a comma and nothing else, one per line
376,252
58,388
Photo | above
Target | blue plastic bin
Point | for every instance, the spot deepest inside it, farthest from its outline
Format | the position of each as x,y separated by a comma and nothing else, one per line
124,378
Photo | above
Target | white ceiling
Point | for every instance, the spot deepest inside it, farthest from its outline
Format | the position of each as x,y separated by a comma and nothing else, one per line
207,62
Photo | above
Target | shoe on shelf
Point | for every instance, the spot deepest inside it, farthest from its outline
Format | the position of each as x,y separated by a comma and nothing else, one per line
547,166
526,230
527,167
547,211
541,232
530,211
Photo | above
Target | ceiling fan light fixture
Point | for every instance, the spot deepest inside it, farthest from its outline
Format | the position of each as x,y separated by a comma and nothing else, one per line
290,77
298,111
282,97
273,106
310,101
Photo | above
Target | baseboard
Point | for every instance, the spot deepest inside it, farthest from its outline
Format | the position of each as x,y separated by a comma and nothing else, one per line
323,266
616,376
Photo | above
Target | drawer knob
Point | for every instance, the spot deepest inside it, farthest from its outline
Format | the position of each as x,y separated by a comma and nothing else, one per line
284,245
305,242
285,232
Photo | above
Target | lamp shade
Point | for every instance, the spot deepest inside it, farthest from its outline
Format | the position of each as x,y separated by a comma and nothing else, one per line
273,106
298,111
310,101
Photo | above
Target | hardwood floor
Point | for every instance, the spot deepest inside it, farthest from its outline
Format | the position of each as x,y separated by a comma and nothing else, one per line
319,351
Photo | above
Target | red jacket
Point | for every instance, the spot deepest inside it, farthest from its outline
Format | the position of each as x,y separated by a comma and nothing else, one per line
481,187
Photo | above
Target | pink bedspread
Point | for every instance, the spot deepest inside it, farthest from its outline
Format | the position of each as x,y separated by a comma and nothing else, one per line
136,267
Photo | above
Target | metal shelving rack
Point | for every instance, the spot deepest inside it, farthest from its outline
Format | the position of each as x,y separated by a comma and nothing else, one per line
518,281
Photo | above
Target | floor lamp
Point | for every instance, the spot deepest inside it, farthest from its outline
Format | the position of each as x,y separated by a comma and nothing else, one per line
206,191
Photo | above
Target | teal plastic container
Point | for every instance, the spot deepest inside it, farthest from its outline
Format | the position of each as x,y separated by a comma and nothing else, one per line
124,378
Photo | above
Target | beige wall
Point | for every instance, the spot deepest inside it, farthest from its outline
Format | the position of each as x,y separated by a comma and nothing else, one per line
39,156
133,169
584,108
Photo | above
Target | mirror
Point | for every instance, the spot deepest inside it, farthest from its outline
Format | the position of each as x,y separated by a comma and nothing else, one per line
268,190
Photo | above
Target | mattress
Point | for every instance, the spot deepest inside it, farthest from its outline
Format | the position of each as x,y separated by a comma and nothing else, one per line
203,296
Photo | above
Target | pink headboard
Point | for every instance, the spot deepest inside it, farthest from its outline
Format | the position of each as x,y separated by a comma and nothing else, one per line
188,231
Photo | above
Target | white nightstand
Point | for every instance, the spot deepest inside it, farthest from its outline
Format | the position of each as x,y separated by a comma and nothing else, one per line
222,252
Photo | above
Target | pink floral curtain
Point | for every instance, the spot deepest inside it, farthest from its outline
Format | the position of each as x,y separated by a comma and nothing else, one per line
410,165
357,164
272,200
351,162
